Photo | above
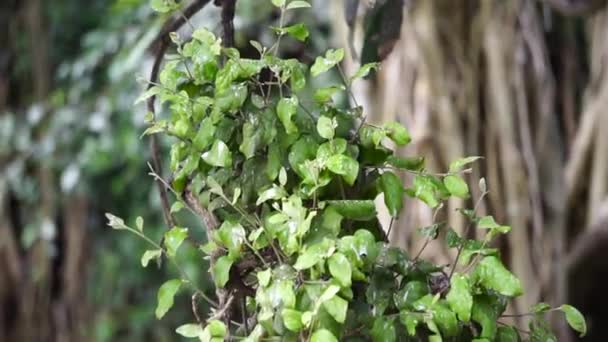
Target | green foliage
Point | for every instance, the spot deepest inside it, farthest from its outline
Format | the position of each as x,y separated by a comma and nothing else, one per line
293,187
165,296
575,318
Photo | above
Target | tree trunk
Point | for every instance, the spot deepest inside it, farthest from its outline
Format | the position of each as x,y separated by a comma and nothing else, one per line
503,79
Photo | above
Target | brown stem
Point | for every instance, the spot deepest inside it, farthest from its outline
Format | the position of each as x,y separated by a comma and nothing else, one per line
228,7
159,46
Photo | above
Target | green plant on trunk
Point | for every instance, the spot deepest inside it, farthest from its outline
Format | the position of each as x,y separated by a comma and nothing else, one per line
286,186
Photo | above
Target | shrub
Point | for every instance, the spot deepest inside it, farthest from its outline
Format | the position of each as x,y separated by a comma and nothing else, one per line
285,188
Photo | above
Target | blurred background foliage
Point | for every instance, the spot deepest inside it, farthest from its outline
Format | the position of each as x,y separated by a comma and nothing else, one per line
521,82
71,150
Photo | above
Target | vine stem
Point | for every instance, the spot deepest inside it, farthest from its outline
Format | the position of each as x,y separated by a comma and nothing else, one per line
390,228
465,233
428,239
514,327
347,84
159,48
182,273
275,47
419,173
529,313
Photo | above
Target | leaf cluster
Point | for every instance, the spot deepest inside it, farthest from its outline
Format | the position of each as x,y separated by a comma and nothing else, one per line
293,182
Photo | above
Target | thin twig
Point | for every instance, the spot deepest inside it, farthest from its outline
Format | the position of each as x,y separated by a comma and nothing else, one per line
514,327
194,310
222,311
390,227
465,234
228,7
159,46
428,239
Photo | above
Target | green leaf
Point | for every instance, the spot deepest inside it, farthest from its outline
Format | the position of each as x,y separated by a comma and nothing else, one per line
575,319
383,330
345,166
181,128
365,244
221,270
398,133
210,42
282,176
540,331
507,334
217,329
231,235
163,6
260,49
273,193
458,164
214,186
313,254
298,4
205,134
252,136
459,298
157,127
286,108
411,292
540,308
487,222
165,296
445,319
307,260
278,3
152,91
406,163
431,231
323,335
219,155
323,95
209,248
282,293
410,320
492,274
359,210
174,238
264,277
364,70
322,64
116,222
424,189
326,127
298,31
371,136
340,269
230,99
191,330
337,308
292,319
273,165
176,207
149,255
390,185
483,314
303,149
456,186
330,148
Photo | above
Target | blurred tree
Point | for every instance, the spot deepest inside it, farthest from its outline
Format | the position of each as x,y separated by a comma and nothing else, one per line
70,150
67,126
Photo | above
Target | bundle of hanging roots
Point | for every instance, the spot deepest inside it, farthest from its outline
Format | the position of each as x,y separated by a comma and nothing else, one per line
521,83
